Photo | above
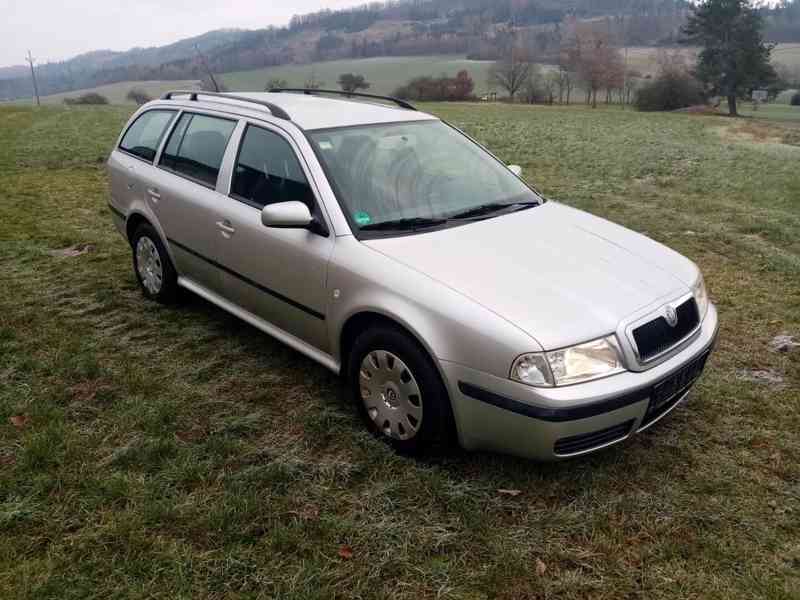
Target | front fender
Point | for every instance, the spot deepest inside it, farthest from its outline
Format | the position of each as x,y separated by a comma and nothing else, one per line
449,325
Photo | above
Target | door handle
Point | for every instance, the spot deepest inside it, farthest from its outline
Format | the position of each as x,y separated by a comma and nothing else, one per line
226,228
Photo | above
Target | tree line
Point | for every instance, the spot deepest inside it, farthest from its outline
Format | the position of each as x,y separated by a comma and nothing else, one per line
480,29
734,59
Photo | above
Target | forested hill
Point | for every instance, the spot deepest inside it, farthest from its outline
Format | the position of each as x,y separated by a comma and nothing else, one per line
476,28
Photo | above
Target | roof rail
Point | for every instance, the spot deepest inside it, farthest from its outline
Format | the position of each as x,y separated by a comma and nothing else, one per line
276,111
310,92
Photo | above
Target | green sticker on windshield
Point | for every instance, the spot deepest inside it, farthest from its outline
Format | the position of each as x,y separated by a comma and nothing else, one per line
362,218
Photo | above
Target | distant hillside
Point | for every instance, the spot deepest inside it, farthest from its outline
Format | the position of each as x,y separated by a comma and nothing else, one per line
473,28
13,72
102,67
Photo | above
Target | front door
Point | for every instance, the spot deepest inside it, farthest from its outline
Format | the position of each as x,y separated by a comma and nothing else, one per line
276,274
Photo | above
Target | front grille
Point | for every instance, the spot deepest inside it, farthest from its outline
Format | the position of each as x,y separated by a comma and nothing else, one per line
658,336
587,441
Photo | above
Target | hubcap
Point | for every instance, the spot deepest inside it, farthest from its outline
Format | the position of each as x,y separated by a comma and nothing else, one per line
148,263
391,395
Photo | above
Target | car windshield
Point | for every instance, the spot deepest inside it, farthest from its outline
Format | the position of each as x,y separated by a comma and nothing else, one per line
408,176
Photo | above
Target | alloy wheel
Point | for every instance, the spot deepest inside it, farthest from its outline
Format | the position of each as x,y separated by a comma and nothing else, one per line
148,263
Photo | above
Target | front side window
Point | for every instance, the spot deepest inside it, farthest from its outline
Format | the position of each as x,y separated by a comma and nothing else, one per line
267,171
404,176
197,146
144,137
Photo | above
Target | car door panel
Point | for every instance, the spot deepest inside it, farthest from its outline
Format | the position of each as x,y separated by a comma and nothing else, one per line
183,194
131,164
277,274
188,212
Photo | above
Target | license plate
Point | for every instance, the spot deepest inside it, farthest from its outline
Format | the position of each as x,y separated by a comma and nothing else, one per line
677,382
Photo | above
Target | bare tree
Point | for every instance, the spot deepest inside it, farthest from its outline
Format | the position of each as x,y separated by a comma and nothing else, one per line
564,83
632,79
614,75
511,72
569,56
599,66
210,84
313,83
550,84
532,90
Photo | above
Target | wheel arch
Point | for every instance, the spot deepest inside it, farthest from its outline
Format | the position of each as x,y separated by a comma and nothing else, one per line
133,222
363,320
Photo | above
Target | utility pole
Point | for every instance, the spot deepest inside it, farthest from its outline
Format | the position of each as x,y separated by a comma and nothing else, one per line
512,72
625,68
30,60
203,60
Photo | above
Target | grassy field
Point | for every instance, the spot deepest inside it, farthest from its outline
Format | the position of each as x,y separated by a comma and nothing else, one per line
179,453
116,92
773,112
385,74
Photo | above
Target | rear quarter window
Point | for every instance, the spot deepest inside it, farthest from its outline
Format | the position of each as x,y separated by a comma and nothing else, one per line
144,135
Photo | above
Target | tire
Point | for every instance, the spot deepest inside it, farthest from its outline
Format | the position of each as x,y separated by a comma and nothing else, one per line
157,277
398,391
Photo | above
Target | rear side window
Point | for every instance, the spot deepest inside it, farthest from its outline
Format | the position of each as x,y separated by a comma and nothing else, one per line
267,171
144,136
196,147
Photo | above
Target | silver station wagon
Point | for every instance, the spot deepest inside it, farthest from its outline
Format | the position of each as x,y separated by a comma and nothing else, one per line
393,249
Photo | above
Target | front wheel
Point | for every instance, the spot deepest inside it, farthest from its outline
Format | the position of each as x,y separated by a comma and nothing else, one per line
398,391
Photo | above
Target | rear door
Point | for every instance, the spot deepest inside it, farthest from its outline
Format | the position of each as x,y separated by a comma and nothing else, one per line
184,195
277,274
131,164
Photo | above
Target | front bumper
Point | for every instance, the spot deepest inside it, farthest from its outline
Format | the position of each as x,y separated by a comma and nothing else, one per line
501,415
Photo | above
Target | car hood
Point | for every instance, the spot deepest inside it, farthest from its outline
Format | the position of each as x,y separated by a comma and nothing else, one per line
561,275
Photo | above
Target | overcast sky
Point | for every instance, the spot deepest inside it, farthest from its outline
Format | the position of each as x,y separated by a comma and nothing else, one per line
55,30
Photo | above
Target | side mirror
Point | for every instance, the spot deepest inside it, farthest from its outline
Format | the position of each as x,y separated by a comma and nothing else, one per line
516,170
287,215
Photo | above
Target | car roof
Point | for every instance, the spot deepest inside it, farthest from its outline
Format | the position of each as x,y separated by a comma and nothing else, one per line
312,112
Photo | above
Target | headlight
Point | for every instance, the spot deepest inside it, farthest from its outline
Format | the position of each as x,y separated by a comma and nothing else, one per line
701,297
598,358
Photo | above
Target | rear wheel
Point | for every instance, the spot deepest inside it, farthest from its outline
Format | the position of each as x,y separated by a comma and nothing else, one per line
398,391
153,267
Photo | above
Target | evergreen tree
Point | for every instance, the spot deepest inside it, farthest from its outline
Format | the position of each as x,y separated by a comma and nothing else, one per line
734,58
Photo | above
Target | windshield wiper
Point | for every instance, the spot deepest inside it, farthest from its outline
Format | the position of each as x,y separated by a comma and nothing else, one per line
409,224
493,207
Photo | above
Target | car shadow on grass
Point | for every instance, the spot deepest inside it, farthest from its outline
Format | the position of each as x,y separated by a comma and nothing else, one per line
331,423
